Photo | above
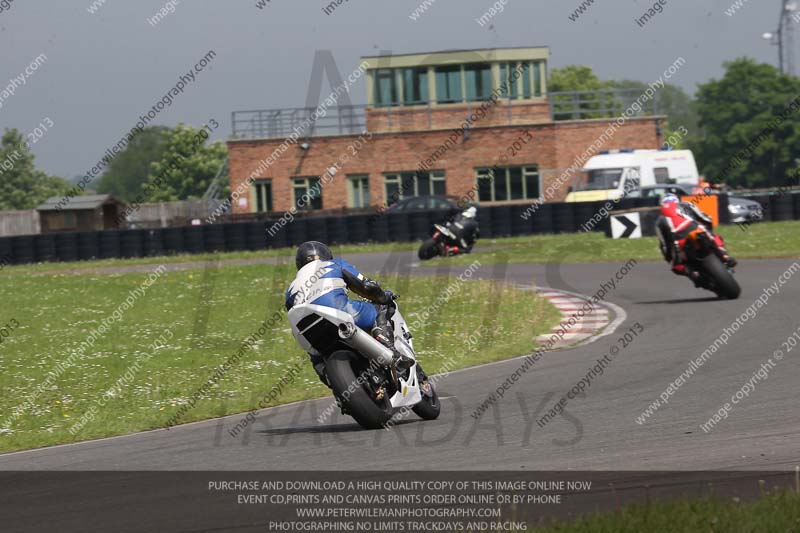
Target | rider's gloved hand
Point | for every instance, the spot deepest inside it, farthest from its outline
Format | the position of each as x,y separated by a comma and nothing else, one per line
390,296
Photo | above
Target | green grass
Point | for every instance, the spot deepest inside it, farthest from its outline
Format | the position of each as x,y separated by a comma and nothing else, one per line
759,241
56,313
775,512
285,253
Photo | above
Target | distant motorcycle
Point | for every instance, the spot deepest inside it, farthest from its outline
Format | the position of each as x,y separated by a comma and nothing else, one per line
715,275
359,369
455,237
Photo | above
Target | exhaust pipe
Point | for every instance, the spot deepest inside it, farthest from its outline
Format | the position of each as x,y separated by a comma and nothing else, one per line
365,344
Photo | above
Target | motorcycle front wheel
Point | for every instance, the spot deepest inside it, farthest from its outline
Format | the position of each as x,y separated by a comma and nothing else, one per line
428,250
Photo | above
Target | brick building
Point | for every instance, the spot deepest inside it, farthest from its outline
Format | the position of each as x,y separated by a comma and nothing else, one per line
441,123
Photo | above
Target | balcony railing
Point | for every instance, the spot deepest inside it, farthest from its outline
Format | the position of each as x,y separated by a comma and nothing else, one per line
607,103
344,120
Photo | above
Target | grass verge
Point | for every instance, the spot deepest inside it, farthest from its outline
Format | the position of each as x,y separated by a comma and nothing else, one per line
124,383
759,241
778,511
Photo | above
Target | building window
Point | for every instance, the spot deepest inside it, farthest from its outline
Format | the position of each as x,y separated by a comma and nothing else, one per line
415,86
521,80
385,87
448,85
508,183
478,81
525,71
358,190
307,193
401,185
508,85
661,174
262,193
70,221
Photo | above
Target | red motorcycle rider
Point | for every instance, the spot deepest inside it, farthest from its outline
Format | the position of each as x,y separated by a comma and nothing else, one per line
677,221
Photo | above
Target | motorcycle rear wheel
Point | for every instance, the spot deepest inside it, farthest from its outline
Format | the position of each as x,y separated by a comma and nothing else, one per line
725,284
364,409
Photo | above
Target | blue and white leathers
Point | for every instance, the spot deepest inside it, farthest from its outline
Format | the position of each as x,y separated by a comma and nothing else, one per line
322,283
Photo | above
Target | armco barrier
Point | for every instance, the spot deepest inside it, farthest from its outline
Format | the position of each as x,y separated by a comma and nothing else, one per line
495,221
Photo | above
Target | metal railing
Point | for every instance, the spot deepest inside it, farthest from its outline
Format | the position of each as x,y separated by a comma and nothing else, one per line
274,123
606,103
352,119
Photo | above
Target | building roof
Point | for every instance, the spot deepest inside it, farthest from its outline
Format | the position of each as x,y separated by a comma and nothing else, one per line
445,57
77,203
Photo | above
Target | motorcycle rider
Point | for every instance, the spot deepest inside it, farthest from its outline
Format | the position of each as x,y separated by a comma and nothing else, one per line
679,219
465,228
322,280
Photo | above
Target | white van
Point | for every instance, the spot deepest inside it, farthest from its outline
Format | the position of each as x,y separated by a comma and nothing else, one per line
616,173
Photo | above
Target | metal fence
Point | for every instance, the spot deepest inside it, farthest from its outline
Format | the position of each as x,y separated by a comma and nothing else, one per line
343,120
607,103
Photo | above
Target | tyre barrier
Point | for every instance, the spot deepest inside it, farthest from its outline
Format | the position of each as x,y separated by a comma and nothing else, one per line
494,221
66,247
131,244
501,221
781,207
88,245
109,244
45,248
153,243
194,240
235,236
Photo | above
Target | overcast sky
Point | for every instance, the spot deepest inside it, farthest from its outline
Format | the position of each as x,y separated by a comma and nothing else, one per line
103,70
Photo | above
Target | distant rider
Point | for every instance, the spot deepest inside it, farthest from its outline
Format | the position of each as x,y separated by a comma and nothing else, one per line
322,280
679,219
465,227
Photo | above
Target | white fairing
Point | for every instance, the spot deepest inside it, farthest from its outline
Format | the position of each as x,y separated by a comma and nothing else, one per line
408,391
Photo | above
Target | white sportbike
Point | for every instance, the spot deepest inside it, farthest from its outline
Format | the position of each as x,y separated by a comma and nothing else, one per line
359,368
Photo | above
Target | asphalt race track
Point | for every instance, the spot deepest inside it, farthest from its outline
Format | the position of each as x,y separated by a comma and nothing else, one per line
596,432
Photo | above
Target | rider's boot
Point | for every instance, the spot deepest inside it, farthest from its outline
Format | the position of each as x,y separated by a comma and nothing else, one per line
319,367
722,253
383,332
686,270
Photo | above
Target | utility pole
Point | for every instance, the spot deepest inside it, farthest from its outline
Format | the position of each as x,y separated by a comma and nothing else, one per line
783,38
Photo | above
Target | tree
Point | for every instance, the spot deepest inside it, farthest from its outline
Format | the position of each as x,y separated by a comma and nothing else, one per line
751,134
128,171
574,78
682,123
577,78
21,185
187,166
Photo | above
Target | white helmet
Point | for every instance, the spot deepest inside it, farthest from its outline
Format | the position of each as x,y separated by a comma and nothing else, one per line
470,212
